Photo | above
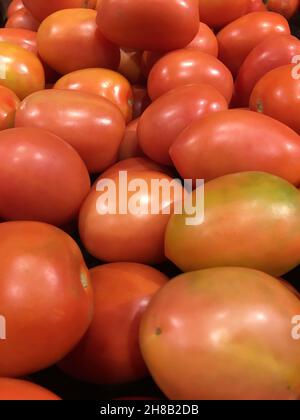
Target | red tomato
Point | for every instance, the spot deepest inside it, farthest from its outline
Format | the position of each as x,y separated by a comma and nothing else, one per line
22,37
22,19
237,39
41,177
141,100
130,147
218,13
45,296
185,67
223,334
130,65
171,113
135,164
287,8
109,353
18,390
14,7
102,82
71,115
205,41
256,6
131,23
8,105
275,51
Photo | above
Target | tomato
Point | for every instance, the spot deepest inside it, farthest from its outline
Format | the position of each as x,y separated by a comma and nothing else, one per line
185,67
236,141
8,105
235,335
45,298
109,353
22,37
205,41
22,19
277,95
134,164
141,100
102,82
41,177
171,113
275,51
71,115
131,23
14,6
256,6
287,8
126,235
130,65
18,390
69,40
130,147
258,214
218,13
20,70
238,38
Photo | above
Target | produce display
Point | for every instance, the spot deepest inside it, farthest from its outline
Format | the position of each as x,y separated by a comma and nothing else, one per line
150,200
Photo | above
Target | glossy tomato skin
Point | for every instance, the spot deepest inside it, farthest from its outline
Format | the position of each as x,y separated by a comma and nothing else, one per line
171,113
21,70
135,164
102,82
42,178
205,41
130,23
235,341
130,147
185,67
22,19
275,51
19,390
69,40
286,8
92,125
22,37
236,141
218,13
109,353
14,6
238,38
8,105
53,305
249,208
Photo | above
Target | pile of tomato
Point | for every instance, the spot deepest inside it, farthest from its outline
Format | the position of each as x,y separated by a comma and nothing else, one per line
157,90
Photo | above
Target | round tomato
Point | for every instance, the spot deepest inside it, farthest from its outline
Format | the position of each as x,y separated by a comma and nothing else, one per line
22,19
102,82
45,296
19,390
130,147
146,25
235,335
218,13
22,37
109,353
130,65
256,6
41,177
287,8
8,105
141,100
14,7
171,113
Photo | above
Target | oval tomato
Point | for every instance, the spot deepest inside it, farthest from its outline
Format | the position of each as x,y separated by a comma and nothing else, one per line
287,8
14,7
22,37
22,19
218,13
8,105
18,390
45,298
171,113
130,147
122,292
141,100
235,335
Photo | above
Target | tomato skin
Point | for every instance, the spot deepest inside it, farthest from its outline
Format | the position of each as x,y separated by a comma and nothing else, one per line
122,291
19,390
286,8
102,82
243,208
130,65
135,164
238,38
235,341
22,37
8,105
275,51
71,115
130,23
69,40
205,41
22,19
256,6
171,71
141,100
218,13
47,179
14,7
130,147
53,307
171,113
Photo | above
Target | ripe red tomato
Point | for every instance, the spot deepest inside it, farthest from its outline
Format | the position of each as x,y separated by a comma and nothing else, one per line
146,25
238,38
109,352
71,115
218,13
22,19
69,40
14,6
141,100
22,37
130,147
8,105
234,326
102,82
185,67
130,65
256,6
18,390
287,8
45,296
171,113
41,177
135,164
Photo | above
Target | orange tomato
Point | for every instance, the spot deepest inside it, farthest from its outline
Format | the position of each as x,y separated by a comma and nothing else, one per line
19,390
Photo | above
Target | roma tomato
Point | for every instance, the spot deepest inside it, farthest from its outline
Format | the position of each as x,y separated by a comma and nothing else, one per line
69,40
235,341
22,37
131,23
275,51
22,19
8,105
20,70
277,95
19,390
255,209
14,7
218,13
134,164
130,147
122,292
287,8
41,177
184,67
71,115
205,41
130,65
141,100
171,113
102,82
238,38
45,298
256,6
236,141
